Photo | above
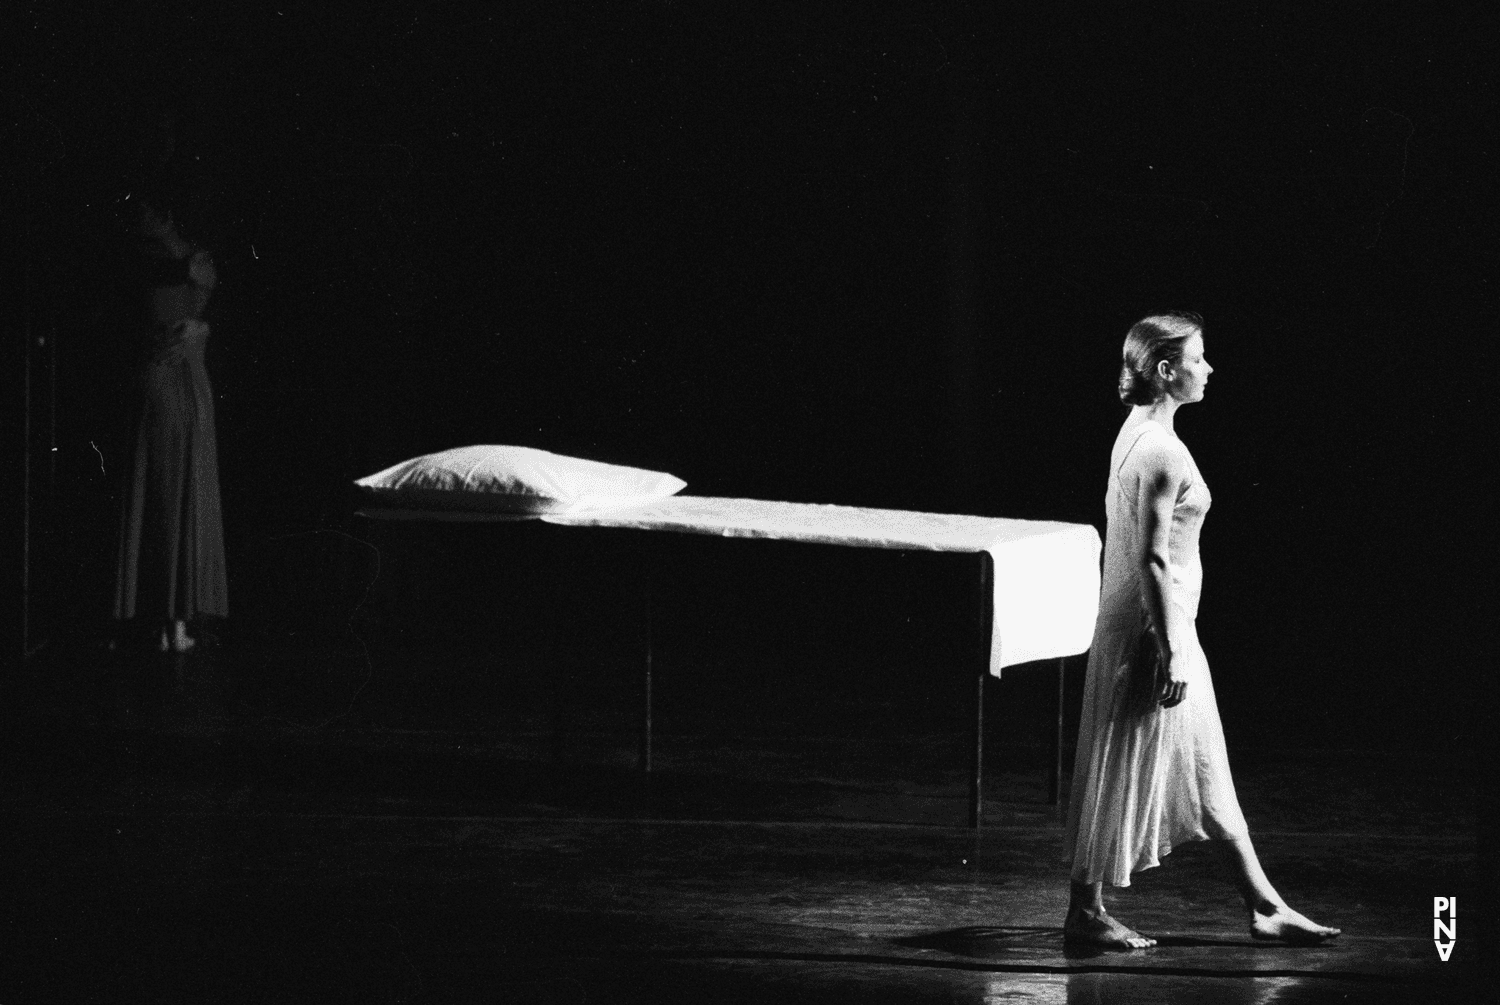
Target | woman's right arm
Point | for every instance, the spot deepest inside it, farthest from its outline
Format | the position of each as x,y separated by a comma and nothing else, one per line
204,277
1163,473
201,270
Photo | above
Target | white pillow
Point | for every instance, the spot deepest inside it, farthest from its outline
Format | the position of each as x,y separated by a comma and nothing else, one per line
498,479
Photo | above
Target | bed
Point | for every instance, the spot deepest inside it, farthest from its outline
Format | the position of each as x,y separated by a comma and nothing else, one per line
1037,580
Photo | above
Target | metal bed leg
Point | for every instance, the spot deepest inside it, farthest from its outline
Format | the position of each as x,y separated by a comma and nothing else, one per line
986,626
976,781
559,716
644,758
1054,789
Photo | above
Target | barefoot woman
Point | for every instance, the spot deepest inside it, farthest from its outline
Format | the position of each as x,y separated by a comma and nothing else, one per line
1151,770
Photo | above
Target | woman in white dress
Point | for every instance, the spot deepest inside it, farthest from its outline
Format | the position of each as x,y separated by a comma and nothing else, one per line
1151,770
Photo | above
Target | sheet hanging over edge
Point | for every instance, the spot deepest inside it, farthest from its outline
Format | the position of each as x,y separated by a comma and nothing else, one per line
1046,584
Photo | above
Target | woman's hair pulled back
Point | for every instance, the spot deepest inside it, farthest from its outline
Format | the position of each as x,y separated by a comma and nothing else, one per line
1149,342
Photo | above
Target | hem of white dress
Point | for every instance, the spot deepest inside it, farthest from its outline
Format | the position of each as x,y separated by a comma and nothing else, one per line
1161,852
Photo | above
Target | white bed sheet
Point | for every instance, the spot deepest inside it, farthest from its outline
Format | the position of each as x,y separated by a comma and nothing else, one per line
1046,584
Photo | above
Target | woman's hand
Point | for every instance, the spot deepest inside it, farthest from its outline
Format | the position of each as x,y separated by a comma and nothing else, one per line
1170,688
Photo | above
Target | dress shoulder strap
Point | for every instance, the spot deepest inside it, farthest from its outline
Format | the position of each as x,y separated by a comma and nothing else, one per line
1141,433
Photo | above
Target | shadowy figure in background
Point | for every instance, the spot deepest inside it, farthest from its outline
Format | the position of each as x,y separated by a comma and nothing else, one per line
171,560
1152,770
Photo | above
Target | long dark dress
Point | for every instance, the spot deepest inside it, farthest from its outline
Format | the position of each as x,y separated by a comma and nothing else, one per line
171,562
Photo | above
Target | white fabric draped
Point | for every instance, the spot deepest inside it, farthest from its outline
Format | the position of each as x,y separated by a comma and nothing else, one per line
1046,583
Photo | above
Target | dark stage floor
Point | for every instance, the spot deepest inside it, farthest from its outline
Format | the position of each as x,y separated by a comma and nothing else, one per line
336,823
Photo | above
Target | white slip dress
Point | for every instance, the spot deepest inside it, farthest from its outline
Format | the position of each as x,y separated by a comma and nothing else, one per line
1146,778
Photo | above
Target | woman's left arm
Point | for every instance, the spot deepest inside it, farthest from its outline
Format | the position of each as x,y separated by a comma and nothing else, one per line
1163,473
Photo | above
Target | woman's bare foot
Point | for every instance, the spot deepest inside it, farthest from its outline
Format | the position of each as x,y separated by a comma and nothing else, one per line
177,640
1282,924
1099,928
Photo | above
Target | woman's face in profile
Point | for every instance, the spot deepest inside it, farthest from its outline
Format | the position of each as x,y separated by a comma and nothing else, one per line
1190,375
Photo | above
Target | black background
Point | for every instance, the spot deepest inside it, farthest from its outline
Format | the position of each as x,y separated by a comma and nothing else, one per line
817,254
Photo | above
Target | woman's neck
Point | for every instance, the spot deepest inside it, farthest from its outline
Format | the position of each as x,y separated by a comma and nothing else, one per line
1159,412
